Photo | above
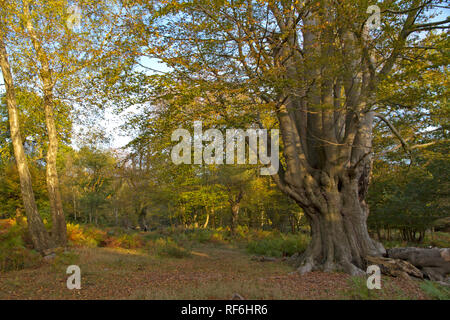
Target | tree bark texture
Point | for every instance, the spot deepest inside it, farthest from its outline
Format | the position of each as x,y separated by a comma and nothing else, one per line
38,233
59,229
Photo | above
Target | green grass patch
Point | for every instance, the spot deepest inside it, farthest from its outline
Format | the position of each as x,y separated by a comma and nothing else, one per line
169,248
435,290
279,246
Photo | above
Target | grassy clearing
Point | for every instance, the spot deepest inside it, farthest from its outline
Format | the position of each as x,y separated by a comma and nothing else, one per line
211,273
179,264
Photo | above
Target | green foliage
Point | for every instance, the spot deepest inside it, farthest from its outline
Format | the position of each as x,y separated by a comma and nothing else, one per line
10,192
279,246
206,236
169,248
13,253
409,191
409,198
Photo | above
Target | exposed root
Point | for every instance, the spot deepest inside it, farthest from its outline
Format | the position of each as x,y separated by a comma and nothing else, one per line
308,264
305,268
352,270
379,251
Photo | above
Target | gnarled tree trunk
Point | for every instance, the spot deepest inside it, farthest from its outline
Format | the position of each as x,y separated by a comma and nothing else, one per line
332,194
340,240
326,123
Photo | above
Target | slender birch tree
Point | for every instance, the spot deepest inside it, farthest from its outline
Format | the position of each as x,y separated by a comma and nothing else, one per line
38,233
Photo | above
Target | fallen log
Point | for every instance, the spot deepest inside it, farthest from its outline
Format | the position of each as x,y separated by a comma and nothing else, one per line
445,254
433,262
395,267
263,259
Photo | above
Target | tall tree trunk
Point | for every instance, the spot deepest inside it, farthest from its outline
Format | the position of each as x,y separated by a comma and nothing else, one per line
292,223
205,225
74,205
142,219
234,216
59,229
261,220
194,220
38,233
235,204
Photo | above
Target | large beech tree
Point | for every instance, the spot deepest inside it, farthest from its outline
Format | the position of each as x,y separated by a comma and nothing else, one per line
313,65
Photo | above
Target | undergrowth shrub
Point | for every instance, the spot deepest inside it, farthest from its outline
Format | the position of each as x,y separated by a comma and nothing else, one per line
127,241
201,235
78,236
90,236
97,236
14,255
64,259
279,246
169,248
208,236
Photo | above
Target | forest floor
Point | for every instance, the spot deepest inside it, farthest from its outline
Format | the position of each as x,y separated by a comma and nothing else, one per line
213,271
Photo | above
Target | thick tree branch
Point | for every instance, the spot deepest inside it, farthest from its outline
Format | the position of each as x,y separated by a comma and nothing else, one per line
401,40
395,132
